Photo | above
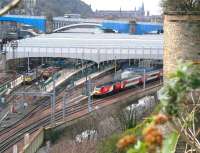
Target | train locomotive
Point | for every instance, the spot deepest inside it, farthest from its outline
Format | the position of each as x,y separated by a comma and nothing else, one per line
126,79
30,77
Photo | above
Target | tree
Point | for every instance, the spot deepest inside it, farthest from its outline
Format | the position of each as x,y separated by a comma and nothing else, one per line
9,6
180,5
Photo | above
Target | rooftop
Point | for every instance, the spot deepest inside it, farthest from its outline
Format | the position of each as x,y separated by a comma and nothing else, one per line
91,39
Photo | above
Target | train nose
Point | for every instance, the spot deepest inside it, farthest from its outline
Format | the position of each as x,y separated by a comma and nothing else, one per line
118,86
104,89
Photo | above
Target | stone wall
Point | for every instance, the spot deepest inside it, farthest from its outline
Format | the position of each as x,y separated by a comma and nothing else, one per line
49,24
181,40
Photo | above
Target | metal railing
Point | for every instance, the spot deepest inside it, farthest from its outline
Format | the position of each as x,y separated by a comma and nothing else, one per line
97,54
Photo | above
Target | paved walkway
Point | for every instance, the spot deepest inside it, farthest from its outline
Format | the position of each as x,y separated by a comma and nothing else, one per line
65,74
93,75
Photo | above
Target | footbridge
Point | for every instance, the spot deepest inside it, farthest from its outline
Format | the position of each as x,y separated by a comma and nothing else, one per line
92,47
80,25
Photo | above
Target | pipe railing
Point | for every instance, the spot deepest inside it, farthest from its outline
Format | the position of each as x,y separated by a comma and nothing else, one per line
97,54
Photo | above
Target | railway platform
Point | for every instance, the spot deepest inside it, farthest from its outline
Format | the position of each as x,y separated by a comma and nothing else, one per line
11,118
64,75
83,80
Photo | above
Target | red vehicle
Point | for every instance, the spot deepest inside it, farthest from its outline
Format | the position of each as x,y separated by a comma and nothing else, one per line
103,89
49,71
126,82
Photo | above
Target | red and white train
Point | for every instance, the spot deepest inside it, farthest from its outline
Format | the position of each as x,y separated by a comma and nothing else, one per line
127,79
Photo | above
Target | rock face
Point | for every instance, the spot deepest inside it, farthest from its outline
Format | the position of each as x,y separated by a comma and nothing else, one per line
181,40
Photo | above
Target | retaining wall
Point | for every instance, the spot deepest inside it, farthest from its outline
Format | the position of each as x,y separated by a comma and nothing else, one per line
105,111
35,142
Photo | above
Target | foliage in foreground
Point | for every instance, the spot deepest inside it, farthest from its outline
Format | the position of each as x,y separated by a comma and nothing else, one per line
179,109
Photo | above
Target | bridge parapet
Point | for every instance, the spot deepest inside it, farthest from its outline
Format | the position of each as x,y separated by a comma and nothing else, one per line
59,22
77,25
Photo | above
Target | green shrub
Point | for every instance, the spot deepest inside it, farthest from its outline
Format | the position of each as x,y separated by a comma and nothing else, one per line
109,145
127,119
53,136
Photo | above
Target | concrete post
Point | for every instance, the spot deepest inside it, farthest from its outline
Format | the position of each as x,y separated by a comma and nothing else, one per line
26,139
49,23
15,149
48,144
132,28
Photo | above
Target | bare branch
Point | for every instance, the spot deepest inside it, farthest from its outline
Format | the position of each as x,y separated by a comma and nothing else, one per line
8,7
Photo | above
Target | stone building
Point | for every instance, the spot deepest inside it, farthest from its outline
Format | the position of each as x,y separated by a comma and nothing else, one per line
121,13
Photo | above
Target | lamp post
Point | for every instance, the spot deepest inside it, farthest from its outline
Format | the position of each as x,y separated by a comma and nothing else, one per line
53,99
28,63
115,65
89,84
144,79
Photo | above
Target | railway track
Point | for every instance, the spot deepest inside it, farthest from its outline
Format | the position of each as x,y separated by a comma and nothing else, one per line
70,110
15,136
44,101
42,105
